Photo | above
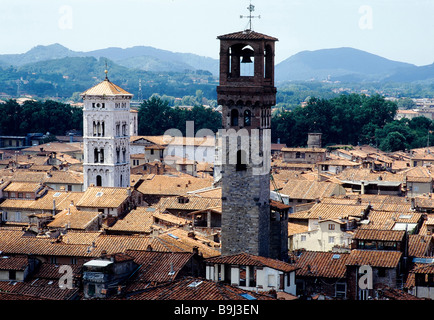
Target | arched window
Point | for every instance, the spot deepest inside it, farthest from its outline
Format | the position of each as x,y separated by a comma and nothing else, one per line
241,161
124,155
98,181
101,155
95,155
120,182
247,118
268,62
247,66
124,129
234,117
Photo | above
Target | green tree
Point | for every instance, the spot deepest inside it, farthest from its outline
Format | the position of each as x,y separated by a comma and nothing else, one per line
155,117
393,142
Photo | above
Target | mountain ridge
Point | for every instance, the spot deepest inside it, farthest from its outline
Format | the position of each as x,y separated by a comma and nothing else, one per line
335,64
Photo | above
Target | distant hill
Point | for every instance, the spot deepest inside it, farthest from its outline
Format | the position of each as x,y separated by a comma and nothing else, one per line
55,70
339,64
414,73
139,57
36,54
152,59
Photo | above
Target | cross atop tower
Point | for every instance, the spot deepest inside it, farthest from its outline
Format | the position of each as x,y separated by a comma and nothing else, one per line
251,8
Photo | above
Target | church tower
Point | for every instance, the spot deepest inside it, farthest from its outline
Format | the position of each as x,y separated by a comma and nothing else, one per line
106,135
246,93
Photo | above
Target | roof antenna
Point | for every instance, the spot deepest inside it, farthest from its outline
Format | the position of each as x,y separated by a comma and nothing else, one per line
251,8
106,70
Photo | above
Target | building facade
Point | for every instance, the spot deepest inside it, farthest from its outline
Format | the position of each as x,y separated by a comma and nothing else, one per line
106,135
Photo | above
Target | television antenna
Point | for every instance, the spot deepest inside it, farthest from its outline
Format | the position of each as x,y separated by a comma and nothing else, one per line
251,8
140,96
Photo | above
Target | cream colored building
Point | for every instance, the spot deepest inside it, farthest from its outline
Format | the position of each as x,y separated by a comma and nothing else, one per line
251,272
329,235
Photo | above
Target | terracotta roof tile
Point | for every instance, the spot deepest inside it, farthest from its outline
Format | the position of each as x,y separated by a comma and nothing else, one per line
105,88
331,211
37,289
190,202
72,218
375,234
247,259
13,263
387,220
157,266
196,289
173,185
309,190
60,199
321,264
246,35
23,187
178,240
139,220
103,197
374,258
419,245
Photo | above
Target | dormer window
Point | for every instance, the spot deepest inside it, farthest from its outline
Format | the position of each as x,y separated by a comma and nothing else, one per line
183,200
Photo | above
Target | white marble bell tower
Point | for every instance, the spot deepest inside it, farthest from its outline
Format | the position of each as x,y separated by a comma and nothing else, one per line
106,135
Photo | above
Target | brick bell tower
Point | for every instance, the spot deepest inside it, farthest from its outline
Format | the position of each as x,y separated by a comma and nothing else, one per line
246,93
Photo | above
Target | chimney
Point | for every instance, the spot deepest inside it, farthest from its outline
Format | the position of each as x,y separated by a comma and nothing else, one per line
119,289
413,204
191,234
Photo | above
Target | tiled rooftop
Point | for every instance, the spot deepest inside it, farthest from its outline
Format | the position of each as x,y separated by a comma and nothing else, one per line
246,259
172,185
103,197
196,289
105,88
321,264
374,258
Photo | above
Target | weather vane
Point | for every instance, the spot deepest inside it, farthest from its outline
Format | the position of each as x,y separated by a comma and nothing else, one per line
251,8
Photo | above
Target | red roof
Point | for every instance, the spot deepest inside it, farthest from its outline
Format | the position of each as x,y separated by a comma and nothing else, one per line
197,289
246,259
322,264
246,35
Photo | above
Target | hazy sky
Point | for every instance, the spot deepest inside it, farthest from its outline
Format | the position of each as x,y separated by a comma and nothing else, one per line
400,30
